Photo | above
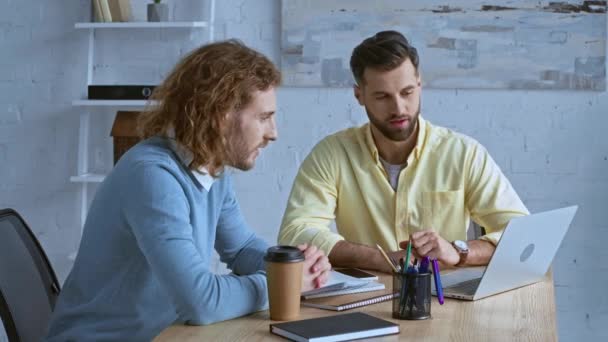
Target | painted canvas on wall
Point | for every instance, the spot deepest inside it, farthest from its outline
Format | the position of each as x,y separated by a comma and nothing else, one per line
462,43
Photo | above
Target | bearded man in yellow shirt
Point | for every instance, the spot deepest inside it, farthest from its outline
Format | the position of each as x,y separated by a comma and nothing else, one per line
397,179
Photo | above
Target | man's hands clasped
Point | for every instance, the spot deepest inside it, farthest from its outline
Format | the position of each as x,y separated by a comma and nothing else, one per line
316,267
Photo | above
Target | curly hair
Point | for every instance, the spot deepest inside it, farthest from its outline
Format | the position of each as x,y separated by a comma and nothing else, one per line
204,86
386,50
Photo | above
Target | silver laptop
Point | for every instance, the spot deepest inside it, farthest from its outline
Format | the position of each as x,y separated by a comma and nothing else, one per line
522,257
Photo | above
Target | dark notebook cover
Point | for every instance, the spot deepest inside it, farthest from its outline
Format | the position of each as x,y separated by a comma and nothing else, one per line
335,328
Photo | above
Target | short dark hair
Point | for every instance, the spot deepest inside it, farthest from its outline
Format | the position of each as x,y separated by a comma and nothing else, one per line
385,50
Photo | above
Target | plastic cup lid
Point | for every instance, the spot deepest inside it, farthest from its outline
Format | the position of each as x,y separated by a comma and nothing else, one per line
284,254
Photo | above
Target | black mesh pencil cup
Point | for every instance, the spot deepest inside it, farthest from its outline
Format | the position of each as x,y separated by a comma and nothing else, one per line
414,296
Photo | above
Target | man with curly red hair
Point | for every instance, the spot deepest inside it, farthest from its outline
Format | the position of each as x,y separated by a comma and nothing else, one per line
155,221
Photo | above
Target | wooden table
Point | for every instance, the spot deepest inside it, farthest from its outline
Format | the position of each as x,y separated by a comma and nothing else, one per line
524,314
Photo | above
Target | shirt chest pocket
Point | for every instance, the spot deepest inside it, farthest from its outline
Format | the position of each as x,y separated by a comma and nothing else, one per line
442,211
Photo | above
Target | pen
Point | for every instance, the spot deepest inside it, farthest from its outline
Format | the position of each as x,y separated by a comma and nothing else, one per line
386,258
424,264
438,286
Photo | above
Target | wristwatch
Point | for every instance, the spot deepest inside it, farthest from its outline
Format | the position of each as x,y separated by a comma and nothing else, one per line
463,251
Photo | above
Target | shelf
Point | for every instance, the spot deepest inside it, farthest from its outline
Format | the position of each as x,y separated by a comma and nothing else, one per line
84,177
143,24
111,103
88,178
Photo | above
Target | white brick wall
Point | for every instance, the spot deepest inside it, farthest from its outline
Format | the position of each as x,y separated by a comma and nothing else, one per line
550,144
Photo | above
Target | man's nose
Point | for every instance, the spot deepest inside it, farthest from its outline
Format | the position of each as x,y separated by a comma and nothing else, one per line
398,106
271,133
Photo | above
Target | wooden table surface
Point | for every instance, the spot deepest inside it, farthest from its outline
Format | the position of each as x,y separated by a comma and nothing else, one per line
524,314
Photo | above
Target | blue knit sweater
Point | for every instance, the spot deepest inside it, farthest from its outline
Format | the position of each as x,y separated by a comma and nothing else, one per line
144,258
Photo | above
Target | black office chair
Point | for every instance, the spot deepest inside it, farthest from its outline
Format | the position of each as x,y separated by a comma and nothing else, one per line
28,285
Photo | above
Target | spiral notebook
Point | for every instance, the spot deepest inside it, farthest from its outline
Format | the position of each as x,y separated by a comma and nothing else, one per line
351,301
365,287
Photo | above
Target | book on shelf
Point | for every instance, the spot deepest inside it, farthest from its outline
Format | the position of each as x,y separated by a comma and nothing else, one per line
344,327
105,10
120,10
350,301
97,14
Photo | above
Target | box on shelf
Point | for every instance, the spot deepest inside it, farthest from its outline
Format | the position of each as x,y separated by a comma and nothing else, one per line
119,92
124,133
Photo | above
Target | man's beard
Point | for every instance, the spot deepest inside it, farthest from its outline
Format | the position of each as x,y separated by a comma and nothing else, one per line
391,133
239,157
238,149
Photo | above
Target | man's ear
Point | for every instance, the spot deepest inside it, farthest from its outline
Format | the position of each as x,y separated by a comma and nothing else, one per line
229,115
357,93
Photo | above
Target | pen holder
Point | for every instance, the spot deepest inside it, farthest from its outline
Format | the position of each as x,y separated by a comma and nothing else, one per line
414,299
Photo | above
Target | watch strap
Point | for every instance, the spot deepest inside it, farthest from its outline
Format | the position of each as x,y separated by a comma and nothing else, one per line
462,254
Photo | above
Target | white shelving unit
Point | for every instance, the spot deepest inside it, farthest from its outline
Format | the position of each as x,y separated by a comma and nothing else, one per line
143,24
88,178
83,175
110,103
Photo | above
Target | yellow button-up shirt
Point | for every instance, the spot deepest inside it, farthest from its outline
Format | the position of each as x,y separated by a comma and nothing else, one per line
449,179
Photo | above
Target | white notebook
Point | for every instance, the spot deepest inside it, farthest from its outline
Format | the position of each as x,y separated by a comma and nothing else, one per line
367,287
337,281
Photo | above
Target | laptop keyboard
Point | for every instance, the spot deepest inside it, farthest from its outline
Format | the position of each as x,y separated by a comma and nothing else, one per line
466,287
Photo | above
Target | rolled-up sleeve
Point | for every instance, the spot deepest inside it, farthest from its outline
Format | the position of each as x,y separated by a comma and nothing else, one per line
490,197
312,203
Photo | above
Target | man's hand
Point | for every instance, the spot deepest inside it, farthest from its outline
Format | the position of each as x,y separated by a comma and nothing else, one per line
316,268
395,257
429,243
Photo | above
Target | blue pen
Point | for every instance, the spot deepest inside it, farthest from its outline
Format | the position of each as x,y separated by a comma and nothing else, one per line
438,286
424,264
412,269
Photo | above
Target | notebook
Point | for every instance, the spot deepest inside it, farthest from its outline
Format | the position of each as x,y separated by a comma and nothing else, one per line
367,287
345,327
337,281
341,303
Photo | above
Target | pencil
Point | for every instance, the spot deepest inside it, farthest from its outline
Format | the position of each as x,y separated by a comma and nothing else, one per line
386,258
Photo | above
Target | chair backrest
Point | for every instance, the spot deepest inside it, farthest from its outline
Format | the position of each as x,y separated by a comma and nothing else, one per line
28,285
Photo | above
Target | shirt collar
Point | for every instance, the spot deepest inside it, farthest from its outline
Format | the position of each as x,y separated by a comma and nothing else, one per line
420,142
202,175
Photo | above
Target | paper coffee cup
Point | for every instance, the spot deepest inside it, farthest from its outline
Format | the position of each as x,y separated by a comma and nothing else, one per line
284,273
